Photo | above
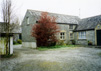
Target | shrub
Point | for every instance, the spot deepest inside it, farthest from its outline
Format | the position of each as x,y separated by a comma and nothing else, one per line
45,30
14,42
73,42
19,41
61,42
89,43
68,42
6,56
51,43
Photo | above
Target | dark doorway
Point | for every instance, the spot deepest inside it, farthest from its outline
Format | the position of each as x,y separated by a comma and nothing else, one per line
20,37
99,37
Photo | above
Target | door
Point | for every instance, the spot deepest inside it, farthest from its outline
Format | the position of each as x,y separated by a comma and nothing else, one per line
99,37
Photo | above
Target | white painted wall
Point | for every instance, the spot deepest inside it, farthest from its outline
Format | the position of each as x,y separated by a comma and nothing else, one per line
29,44
11,45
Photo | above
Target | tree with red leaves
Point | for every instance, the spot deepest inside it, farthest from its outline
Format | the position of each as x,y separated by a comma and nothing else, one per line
45,30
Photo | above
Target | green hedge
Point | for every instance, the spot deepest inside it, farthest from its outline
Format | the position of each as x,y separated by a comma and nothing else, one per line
19,41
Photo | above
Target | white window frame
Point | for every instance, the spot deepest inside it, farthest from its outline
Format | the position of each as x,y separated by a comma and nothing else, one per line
27,20
71,37
62,36
82,35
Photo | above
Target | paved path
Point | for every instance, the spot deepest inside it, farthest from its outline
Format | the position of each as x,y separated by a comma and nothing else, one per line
62,59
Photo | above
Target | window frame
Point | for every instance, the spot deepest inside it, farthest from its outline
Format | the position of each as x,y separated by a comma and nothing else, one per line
82,35
27,20
63,35
71,37
70,27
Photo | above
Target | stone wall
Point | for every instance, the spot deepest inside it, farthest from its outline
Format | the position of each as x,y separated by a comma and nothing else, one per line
29,44
90,36
3,45
26,28
64,27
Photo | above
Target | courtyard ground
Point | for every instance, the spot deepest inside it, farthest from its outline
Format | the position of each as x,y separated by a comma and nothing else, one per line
61,59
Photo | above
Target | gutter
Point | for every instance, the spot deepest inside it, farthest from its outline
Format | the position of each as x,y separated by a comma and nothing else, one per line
83,30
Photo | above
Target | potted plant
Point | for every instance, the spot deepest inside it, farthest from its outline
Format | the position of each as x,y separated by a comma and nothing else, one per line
89,43
73,42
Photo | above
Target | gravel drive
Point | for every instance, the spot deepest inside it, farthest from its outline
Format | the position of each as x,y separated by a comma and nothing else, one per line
62,59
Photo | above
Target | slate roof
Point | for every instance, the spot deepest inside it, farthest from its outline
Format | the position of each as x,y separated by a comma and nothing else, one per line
89,23
82,24
16,29
60,18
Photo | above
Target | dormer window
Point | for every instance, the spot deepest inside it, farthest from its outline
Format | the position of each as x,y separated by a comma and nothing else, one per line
98,26
27,20
71,27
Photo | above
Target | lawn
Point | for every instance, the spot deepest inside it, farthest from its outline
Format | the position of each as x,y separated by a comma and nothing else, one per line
58,47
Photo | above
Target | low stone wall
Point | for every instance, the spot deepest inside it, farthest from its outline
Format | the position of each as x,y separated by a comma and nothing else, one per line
3,45
82,42
29,44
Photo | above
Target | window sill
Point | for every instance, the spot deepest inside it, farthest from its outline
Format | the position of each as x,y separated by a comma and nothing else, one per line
63,39
82,39
71,38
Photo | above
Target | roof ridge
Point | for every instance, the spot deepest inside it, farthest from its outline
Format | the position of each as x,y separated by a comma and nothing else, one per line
52,13
91,17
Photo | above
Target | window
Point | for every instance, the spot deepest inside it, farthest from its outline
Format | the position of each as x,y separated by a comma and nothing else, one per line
98,26
71,35
62,35
82,35
27,20
70,26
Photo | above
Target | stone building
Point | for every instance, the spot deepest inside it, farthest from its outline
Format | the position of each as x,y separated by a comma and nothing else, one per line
71,28
3,40
88,29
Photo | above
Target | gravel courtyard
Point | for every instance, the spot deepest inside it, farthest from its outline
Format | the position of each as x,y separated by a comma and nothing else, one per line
62,59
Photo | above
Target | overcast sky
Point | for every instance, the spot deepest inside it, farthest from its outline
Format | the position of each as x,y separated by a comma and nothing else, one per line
81,8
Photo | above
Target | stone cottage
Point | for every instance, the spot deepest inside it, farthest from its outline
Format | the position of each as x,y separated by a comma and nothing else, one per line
71,28
88,29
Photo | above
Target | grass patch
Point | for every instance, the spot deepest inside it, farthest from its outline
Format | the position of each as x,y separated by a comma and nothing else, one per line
51,47
73,45
99,54
57,47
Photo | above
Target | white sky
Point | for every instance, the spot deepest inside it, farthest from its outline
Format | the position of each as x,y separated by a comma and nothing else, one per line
70,7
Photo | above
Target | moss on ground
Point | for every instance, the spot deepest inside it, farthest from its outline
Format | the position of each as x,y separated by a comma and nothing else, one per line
58,47
99,53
